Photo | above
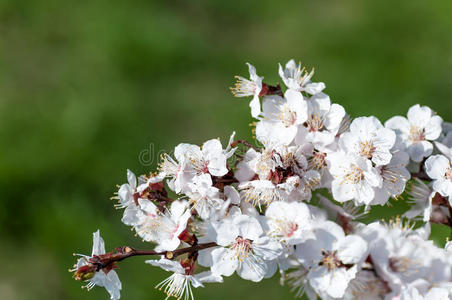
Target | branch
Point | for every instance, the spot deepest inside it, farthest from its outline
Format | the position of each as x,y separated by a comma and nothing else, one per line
245,143
108,261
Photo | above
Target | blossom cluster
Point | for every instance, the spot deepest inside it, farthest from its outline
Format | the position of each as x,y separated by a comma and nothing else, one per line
293,202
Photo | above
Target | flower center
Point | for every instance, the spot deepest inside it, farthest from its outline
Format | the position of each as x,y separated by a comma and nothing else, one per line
400,264
242,248
199,164
417,134
330,260
314,123
291,228
354,176
287,116
366,149
318,161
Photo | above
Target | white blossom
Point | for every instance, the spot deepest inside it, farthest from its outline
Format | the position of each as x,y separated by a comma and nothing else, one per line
399,255
243,248
438,167
369,139
354,178
252,87
180,283
281,118
420,197
204,197
106,278
394,175
333,259
163,228
415,132
297,78
289,222
323,122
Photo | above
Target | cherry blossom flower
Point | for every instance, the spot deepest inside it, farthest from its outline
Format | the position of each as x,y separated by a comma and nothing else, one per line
332,258
399,254
281,117
415,132
86,269
162,228
354,178
177,169
204,197
243,248
289,222
420,197
252,87
297,78
323,122
438,167
369,139
180,283
128,195
394,175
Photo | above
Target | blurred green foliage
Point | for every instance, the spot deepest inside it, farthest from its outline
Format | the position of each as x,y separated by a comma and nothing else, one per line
87,85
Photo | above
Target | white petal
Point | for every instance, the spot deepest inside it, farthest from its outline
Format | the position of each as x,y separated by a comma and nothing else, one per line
420,150
125,194
224,232
297,103
182,149
399,124
255,106
130,216
352,249
148,207
254,272
444,149
314,87
444,187
248,227
178,208
339,282
320,279
436,166
208,276
365,126
113,285
419,115
132,179
342,191
167,265
334,116
267,249
223,262
232,194
433,128
98,244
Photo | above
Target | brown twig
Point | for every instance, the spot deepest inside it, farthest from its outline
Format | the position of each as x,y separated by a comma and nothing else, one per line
245,143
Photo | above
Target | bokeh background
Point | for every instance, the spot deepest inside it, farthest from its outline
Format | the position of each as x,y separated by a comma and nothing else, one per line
86,86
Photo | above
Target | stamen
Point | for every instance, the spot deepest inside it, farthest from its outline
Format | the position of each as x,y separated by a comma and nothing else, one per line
243,87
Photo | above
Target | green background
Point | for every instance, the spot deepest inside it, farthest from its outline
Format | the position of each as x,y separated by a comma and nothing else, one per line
86,86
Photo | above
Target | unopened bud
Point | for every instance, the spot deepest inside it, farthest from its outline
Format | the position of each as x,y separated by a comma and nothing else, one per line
169,255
